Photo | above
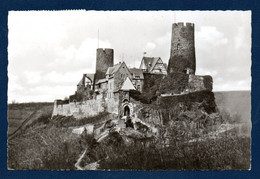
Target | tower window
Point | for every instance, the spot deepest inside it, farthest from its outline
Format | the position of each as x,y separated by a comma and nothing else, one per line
178,46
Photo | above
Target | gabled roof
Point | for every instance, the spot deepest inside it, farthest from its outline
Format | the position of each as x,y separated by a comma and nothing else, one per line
89,76
137,72
148,63
127,85
112,70
115,68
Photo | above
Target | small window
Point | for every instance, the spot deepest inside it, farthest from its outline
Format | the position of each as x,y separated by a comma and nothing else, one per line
178,46
138,77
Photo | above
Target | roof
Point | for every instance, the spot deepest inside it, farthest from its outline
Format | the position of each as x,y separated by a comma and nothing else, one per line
149,63
127,85
137,72
89,75
104,80
113,69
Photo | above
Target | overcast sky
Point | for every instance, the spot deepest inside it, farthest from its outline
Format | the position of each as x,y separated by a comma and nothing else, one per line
49,51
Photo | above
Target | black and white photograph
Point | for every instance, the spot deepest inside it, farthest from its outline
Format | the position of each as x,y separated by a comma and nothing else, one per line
129,90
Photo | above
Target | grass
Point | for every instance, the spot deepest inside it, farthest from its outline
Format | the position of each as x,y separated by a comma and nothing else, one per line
23,114
44,147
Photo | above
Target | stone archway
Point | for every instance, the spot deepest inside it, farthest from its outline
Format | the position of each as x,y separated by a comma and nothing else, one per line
126,109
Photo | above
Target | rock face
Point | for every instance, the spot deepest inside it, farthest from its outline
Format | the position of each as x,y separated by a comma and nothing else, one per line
182,57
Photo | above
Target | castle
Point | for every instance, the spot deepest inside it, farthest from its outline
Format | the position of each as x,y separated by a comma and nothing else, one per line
118,89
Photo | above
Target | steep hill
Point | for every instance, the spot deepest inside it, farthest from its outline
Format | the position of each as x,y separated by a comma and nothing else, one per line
236,103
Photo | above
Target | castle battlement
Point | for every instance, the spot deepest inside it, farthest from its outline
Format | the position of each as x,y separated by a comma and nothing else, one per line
182,24
105,50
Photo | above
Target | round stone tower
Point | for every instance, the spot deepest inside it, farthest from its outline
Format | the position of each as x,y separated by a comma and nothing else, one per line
182,57
105,59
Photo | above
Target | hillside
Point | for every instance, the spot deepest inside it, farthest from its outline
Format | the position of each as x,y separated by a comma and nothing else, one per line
236,103
209,143
22,114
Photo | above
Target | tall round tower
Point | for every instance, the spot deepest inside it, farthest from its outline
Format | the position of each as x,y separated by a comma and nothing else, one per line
182,57
105,59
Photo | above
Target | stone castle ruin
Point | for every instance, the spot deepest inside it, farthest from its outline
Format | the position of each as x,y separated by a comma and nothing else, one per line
151,92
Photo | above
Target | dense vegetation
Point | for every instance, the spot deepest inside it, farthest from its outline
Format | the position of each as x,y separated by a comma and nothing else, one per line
223,153
46,145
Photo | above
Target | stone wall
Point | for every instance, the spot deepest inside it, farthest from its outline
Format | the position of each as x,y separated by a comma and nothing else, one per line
170,108
112,104
205,98
79,109
174,83
199,83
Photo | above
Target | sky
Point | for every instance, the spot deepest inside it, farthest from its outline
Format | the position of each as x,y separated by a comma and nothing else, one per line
48,51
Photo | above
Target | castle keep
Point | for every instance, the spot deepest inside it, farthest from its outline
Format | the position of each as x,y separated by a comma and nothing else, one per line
124,91
182,57
105,59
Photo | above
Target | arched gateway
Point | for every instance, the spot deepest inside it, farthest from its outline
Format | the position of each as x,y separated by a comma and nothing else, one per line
126,111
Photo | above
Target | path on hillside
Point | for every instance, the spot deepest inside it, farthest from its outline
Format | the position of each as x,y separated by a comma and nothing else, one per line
35,115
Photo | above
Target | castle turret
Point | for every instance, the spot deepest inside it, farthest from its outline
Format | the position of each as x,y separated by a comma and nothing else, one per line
105,59
182,57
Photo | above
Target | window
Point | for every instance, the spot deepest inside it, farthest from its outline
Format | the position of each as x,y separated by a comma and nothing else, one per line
138,77
178,46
